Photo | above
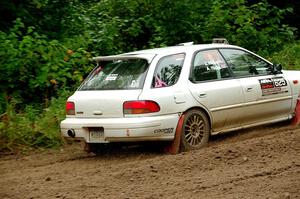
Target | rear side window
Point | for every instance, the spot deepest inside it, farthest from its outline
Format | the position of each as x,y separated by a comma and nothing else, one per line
168,70
116,75
209,65
244,64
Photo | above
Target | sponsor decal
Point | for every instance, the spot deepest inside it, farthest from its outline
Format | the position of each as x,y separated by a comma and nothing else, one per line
111,77
270,86
164,131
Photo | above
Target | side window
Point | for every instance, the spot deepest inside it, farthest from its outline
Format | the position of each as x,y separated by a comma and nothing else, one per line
243,63
209,65
168,70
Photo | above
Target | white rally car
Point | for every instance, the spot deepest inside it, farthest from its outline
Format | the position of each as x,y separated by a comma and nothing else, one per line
197,90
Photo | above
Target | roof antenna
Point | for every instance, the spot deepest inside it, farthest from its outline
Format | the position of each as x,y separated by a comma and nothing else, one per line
220,41
186,44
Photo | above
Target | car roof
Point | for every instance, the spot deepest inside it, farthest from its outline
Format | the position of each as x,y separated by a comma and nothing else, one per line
179,49
149,54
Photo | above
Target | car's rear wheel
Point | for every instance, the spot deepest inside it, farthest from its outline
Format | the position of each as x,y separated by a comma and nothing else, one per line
97,149
195,130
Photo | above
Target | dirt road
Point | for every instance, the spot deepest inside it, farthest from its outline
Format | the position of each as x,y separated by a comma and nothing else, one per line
257,163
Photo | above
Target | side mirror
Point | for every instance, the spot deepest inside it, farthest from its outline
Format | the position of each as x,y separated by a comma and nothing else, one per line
278,67
275,69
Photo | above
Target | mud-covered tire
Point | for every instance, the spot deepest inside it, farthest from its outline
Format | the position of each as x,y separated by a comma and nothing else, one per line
195,130
96,149
88,147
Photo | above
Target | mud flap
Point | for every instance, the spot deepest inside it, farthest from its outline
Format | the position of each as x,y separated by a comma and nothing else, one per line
296,119
173,147
86,147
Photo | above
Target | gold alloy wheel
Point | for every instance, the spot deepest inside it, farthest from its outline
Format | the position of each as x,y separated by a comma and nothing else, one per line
194,130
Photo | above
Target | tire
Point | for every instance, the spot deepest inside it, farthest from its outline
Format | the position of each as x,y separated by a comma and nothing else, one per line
195,130
97,149
88,147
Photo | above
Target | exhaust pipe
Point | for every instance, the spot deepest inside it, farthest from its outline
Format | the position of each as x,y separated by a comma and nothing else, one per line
71,133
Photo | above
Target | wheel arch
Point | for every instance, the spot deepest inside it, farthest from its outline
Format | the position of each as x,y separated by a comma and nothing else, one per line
206,112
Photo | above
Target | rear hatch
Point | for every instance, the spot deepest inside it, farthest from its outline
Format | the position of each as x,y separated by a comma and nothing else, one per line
116,79
102,104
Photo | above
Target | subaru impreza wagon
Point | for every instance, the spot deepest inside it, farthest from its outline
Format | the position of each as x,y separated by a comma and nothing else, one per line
197,90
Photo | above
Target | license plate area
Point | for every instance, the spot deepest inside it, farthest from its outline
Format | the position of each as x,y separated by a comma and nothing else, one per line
96,133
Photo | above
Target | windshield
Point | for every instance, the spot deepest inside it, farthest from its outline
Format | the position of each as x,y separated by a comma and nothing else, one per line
117,74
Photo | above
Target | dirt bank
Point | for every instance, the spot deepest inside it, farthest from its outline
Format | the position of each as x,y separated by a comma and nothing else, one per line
257,163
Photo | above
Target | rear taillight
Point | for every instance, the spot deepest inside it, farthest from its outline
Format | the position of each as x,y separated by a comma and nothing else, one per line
140,107
70,108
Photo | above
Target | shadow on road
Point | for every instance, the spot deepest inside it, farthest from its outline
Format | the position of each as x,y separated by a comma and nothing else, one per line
243,134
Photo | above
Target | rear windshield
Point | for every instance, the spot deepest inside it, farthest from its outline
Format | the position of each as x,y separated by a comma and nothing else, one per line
116,75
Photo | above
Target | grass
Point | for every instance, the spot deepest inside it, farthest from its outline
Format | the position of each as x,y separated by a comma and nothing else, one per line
33,127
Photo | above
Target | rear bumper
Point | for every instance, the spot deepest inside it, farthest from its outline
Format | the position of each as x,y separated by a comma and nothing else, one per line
123,129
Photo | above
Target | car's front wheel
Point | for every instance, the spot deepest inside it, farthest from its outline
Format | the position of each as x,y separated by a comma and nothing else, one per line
195,130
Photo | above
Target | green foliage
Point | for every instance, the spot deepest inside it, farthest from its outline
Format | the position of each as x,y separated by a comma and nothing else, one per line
54,18
33,69
289,57
120,26
256,27
33,127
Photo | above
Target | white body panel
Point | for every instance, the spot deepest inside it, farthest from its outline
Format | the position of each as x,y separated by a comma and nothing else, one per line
223,99
295,88
102,104
260,107
123,129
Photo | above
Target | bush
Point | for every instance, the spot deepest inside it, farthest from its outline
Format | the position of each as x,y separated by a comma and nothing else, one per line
33,74
120,26
33,69
257,27
34,127
289,57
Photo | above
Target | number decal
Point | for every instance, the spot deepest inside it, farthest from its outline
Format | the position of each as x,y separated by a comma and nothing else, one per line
280,82
271,86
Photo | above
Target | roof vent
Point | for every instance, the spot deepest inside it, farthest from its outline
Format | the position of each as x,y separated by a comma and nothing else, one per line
186,44
220,41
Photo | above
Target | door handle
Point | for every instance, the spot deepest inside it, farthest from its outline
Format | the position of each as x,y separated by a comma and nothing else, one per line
249,89
202,95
